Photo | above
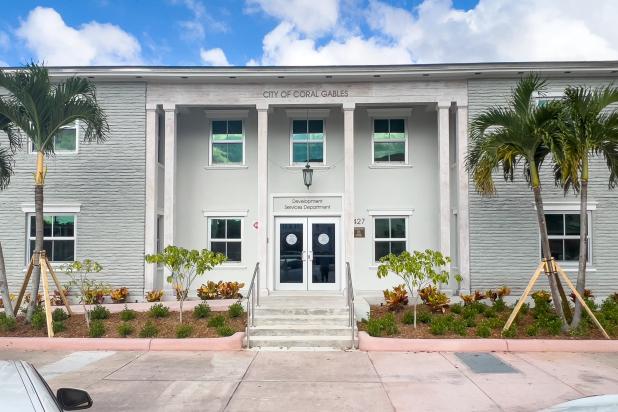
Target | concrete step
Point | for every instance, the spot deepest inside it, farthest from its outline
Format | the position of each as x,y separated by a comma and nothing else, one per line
277,311
317,320
301,330
290,341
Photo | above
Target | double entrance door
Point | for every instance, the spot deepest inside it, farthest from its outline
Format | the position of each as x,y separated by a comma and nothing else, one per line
307,253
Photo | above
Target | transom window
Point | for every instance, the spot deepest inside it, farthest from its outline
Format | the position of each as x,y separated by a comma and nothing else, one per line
227,141
389,236
563,230
225,236
307,141
59,237
65,141
389,141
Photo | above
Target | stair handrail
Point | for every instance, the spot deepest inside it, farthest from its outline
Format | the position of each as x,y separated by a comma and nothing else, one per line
350,299
253,295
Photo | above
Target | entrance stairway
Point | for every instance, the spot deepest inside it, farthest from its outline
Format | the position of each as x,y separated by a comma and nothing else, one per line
301,322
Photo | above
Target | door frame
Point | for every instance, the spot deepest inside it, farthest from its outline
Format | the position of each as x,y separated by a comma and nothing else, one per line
290,286
309,275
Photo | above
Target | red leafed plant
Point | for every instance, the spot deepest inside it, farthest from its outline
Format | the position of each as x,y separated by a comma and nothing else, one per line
396,299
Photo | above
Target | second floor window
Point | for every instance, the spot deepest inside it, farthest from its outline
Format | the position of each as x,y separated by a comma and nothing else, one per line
307,141
226,142
65,141
389,141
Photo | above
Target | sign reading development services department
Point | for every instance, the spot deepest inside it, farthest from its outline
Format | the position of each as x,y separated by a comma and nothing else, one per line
307,204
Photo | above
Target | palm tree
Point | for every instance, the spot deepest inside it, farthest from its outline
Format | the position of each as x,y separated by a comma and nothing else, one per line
6,171
586,128
39,108
502,138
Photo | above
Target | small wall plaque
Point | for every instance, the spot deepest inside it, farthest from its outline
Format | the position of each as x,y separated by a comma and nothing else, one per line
359,231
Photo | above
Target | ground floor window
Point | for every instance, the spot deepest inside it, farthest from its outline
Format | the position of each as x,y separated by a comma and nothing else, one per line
225,236
59,237
390,235
563,230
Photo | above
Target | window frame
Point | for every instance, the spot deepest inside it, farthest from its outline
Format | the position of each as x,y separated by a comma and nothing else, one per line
292,141
406,141
211,142
549,96
75,126
73,238
375,239
240,240
569,263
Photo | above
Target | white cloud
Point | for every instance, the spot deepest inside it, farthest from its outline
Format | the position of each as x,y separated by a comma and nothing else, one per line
309,17
214,57
194,28
52,41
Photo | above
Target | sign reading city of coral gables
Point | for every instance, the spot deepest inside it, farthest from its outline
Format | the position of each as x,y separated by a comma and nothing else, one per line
307,204
304,93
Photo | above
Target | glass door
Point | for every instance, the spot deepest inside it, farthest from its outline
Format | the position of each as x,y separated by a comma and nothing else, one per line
291,253
323,253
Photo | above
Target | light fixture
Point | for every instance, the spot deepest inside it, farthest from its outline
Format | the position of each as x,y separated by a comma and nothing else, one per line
307,175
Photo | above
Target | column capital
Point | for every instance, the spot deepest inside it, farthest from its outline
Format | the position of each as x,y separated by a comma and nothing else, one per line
262,107
443,105
348,106
151,107
170,107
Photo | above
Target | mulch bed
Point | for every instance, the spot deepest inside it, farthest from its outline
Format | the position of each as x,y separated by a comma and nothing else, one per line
423,331
76,326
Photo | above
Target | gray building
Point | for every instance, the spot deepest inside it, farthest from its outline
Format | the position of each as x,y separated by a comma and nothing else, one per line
214,157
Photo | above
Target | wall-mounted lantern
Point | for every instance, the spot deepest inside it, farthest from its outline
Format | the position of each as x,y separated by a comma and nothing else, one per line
308,175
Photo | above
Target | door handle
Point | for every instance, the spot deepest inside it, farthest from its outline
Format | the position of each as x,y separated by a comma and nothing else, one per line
304,255
310,255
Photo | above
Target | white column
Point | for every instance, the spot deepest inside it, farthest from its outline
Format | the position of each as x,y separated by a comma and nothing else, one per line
262,195
463,234
444,172
169,198
150,231
348,196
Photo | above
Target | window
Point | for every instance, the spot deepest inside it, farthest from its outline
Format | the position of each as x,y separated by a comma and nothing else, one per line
225,236
59,237
389,236
227,141
544,99
307,141
161,138
65,141
160,232
389,141
563,229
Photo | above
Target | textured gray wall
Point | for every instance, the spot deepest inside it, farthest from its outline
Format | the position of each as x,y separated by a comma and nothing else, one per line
504,237
107,179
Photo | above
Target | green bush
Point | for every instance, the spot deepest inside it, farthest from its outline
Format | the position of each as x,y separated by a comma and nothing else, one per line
439,325
216,321
494,323
408,317
159,310
389,324
483,330
553,326
59,315
459,327
510,332
184,331
374,327
532,330
490,313
6,323
125,329
38,319
58,326
201,311
99,313
236,310
480,307
457,308
97,328
424,317
470,322
127,314
499,305
583,329
225,330
149,330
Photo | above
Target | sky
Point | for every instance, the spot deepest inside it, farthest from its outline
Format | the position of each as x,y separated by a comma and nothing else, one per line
304,32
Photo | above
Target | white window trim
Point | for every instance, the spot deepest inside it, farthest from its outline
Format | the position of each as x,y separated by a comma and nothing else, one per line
219,215
212,165
388,215
386,114
74,237
547,96
63,152
305,119
53,208
571,265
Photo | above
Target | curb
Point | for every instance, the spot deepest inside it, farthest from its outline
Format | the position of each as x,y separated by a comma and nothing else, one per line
230,343
371,344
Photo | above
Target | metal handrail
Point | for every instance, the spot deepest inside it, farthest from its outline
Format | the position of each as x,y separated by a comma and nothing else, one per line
350,298
253,295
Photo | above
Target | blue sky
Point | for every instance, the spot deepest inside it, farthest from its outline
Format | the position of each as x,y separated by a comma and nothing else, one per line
287,32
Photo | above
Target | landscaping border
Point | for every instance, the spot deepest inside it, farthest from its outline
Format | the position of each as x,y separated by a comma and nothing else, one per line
372,344
230,343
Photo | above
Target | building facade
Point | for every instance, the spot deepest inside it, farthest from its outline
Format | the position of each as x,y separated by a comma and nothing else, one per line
215,157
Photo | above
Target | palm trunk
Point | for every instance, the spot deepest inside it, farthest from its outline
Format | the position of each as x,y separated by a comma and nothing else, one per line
583,242
39,179
4,288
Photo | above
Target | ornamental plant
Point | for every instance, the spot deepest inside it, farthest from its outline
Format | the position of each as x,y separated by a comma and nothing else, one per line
185,266
417,270
79,273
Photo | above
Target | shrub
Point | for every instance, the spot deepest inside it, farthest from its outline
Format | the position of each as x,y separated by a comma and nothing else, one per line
99,313
510,332
149,330
159,310
457,308
424,317
58,326
499,305
532,330
154,296
490,313
119,295
225,330
236,310
408,317
491,295
184,331
503,292
438,301
385,325
425,292
6,323
583,329
127,314
125,329
459,327
220,290
38,319
586,295
374,327
216,321
470,322
59,315
396,299
541,297
483,330
494,323
201,311
553,326
97,328
439,325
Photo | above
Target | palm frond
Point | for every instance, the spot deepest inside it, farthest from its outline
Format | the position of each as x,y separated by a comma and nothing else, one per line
6,167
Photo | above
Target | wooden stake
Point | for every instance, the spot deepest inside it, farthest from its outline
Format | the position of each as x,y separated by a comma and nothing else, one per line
24,286
48,314
540,269
59,286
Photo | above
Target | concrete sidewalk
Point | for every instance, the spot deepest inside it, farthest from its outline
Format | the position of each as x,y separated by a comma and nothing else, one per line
327,381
